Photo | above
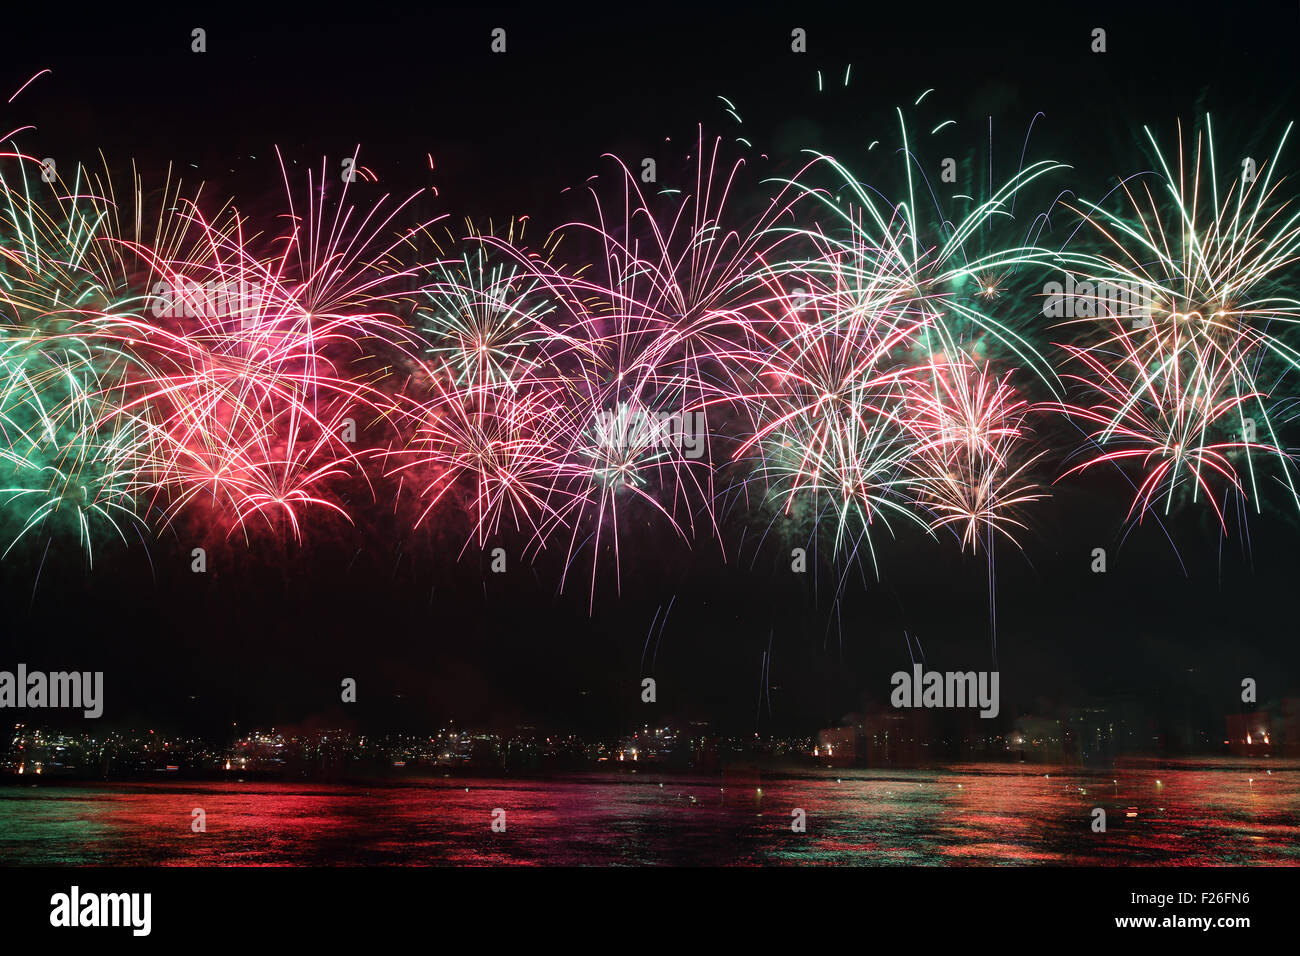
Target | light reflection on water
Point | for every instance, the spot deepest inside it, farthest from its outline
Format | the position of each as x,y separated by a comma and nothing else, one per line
1188,812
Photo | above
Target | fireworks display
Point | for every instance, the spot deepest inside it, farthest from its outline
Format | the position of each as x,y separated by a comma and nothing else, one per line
823,359
600,435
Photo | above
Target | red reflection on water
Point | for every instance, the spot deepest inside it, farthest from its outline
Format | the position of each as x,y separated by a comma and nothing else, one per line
1188,813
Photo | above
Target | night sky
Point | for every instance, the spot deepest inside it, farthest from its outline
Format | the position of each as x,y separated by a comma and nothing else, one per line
430,635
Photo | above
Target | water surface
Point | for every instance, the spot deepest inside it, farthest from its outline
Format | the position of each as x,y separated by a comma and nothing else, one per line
1189,813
